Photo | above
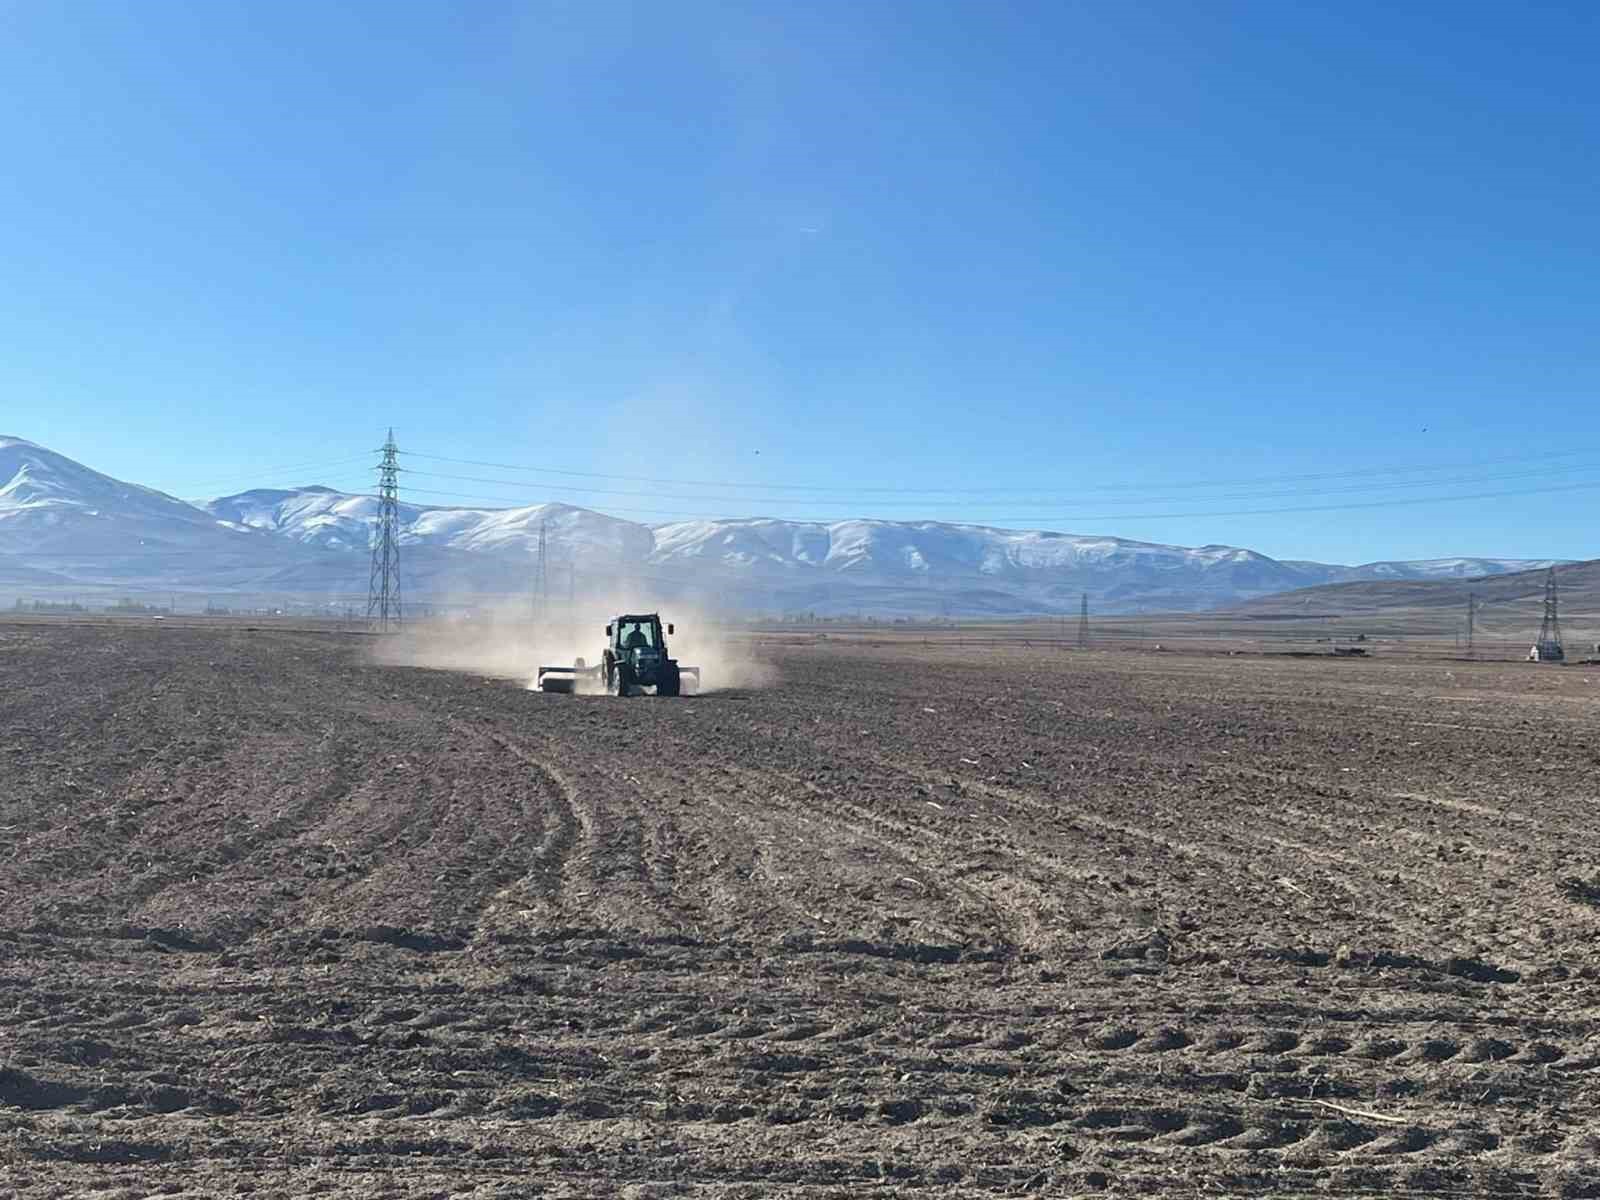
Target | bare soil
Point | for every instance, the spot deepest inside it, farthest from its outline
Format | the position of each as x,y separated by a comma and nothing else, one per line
279,922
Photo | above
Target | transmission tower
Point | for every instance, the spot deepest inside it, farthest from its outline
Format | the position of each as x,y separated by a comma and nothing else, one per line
1083,623
541,580
1548,648
383,593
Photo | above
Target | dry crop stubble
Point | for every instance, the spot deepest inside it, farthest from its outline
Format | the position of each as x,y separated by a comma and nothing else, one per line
275,916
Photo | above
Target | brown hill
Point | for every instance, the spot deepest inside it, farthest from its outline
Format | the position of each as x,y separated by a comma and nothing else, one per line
1579,585
1507,620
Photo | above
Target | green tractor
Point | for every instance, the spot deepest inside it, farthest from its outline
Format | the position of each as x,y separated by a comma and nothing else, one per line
635,658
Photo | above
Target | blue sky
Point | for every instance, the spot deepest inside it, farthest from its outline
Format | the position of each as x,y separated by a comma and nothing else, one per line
1062,261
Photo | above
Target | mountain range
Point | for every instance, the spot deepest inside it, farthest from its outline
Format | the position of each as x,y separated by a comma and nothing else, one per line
65,528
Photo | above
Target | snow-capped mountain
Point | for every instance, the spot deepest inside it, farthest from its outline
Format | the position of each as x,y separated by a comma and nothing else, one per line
73,523
319,516
934,554
65,526
1450,568
767,551
910,566
47,499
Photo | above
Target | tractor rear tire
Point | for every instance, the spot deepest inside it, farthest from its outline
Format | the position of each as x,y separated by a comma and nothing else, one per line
671,682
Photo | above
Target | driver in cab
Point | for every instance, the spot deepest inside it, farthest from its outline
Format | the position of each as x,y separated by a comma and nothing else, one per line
636,640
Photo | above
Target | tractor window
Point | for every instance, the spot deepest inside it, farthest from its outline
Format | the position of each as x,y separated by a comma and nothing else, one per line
633,634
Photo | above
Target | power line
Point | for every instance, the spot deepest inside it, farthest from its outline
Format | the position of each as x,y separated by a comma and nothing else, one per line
1038,515
1455,481
273,471
1014,490
1034,518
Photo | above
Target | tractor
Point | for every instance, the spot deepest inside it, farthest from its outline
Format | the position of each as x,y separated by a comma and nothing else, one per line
635,657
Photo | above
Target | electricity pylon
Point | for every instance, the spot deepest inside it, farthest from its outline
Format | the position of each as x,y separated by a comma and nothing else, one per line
1548,648
541,581
383,591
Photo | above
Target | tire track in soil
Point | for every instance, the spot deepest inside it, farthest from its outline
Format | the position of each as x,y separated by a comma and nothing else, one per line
1016,856
1283,1130
1330,829
326,861
1414,1141
619,874
1059,872
562,831
756,875
242,855
123,887
1389,852
920,849
455,824
809,1072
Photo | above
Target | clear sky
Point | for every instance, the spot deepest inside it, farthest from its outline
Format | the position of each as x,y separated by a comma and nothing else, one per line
1038,265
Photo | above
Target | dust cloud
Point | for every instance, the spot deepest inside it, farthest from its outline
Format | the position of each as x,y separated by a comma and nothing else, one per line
507,642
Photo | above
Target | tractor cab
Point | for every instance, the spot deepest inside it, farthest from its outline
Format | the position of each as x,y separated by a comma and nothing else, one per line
636,632
636,639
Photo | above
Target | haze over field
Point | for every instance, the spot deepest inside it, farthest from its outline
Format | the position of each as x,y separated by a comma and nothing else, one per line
66,527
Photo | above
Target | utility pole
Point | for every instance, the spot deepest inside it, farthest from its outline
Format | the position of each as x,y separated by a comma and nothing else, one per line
1083,623
383,591
1472,620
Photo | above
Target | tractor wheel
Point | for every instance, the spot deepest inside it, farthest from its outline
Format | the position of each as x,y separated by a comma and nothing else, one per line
670,682
621,679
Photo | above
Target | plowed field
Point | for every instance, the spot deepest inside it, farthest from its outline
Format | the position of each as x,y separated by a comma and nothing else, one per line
277,921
